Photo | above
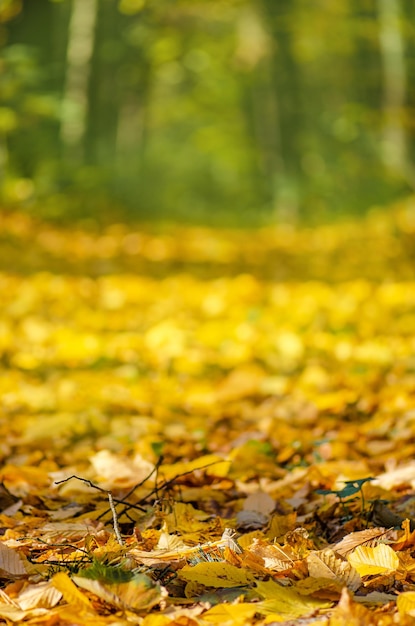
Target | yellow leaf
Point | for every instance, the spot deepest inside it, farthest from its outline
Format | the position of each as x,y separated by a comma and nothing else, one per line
320,587
211,464
184,518
216,575
280,525
285,601
71,593
236,613
156,620
406,603
378,560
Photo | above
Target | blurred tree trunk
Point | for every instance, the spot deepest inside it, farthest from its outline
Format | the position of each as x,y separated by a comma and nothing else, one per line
132,132
408,10
287,81
34,28
259,100
392,47
103,95
77,73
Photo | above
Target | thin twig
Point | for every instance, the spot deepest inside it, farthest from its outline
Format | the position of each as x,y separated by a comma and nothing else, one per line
94,486
167,483
157,488
129,493
84,480
141,483
115,519
138,505
110,500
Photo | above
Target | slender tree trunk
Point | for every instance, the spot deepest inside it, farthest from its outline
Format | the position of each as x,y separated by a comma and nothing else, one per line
280,16
78,69
394,144
259,101
104,86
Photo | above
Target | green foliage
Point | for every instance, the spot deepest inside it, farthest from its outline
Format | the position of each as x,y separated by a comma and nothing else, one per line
352,487
111,574
227,110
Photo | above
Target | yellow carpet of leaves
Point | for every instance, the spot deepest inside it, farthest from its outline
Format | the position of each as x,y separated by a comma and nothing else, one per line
207,427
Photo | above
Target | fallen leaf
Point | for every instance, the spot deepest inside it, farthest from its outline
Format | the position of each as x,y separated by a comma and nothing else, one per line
71,593
381,559
406,603
326,564
216,575
40,595
138,595
238,614
349,613
369,537
285,601
113,471
11,562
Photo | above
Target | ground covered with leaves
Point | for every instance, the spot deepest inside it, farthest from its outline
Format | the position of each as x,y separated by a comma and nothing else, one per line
205,427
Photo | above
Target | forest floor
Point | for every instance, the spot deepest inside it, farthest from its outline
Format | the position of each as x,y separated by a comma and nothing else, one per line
207,427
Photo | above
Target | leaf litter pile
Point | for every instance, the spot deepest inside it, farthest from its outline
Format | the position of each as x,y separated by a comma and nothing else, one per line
205,427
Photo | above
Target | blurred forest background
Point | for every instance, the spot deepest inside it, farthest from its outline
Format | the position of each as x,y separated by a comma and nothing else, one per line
210,111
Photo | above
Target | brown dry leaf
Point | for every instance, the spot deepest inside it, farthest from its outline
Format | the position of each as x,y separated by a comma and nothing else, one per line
250,520
7,499
274,557
115,472
256,511
376,598
405,539
369,537
12,564
399,476
41,595
383,516
327,564
14,614
260,502
350,613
